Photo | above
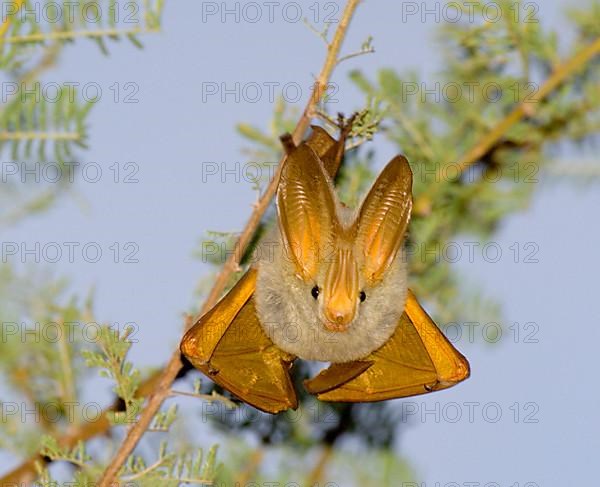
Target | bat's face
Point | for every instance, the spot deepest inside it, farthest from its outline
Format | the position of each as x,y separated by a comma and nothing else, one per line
332,282
339,287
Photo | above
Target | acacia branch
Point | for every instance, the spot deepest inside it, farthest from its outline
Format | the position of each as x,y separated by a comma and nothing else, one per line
175,364
560,74
524,108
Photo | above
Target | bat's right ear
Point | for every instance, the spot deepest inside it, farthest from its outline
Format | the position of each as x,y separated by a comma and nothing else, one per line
306,210
384,216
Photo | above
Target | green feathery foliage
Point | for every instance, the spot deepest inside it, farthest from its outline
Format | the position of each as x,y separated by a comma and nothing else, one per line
466,183
169,467
46,123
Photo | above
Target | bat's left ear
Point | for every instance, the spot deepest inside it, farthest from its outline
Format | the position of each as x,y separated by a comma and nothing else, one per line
383,218
307,210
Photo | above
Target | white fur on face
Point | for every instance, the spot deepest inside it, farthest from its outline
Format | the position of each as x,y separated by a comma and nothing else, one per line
289,314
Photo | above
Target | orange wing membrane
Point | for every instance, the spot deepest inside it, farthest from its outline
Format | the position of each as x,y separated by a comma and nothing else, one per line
417,359
229,346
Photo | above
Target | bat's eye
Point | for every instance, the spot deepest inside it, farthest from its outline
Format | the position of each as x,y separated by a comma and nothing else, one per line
315,292
362,296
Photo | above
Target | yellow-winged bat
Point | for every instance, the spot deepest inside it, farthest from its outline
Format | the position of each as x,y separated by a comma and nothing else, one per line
331,286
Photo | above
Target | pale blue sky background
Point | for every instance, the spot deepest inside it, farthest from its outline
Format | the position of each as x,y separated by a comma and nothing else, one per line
170,132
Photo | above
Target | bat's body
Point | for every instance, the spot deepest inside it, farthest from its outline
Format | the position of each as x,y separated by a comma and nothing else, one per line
331,286
296,326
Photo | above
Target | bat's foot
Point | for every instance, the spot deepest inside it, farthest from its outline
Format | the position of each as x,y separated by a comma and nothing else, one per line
287,141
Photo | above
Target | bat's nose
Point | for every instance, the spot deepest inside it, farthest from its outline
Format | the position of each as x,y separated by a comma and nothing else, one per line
340,290
338,319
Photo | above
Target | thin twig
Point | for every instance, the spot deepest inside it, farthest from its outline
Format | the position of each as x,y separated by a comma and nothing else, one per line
362,52
214,397
63,35
35,135
170,372
321,34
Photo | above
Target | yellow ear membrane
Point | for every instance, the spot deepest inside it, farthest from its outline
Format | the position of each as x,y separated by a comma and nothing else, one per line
306,210
383,218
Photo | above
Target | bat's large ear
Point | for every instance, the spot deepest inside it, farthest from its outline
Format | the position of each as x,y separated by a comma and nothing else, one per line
306,209
383,218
